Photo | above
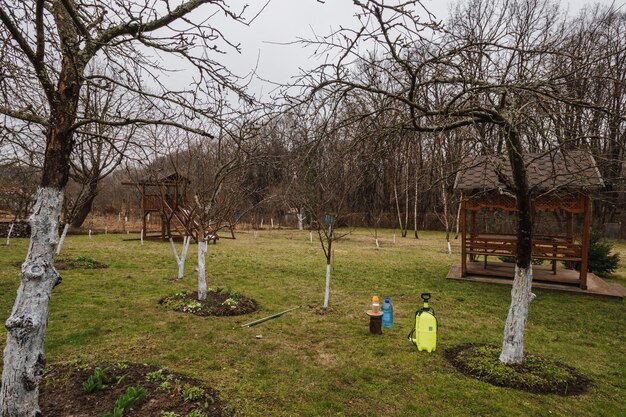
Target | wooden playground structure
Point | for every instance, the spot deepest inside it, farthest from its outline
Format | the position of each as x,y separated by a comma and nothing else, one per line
165,196
563,185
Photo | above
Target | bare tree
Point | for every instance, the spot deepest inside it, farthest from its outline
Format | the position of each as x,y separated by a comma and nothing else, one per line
46,46
325,176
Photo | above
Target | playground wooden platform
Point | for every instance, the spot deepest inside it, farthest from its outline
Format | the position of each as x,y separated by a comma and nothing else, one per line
543,277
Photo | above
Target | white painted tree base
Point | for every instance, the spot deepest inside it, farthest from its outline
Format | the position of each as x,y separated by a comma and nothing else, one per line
24,356
327,290
9,234
60,245
202,246
180,260
521,297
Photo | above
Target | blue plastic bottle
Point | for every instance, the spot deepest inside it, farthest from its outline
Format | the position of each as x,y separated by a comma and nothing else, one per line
387,310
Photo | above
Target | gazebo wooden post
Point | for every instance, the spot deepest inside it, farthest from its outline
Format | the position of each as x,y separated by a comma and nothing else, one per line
463,236
585,243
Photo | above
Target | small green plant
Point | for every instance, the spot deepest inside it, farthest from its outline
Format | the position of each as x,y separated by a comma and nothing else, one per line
155,375
121,365
169,414
192,393
128,400
165,386
230,302
98,381
117,412
86,261
192,307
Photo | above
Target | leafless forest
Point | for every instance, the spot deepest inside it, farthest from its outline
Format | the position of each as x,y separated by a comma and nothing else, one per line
377,136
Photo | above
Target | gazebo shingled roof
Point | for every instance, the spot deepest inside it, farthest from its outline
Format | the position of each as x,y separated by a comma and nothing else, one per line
574,169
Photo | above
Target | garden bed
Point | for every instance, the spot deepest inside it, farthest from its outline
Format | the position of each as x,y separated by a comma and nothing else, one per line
64,392
219,302
536,374
80,262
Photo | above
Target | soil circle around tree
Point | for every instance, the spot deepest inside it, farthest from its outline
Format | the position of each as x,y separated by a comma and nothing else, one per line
79,262
79,390
536,374
219,302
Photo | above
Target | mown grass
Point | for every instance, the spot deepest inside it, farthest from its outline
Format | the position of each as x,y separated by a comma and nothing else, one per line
307,364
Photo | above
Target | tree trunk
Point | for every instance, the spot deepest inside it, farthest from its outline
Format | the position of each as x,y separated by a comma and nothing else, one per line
202,245
521,295
398,211
180,260
24,357
62,240
327,290
9,234
84,205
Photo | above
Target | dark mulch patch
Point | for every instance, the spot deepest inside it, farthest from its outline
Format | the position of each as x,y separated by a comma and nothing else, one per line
62,393
536,374
219,302
80,262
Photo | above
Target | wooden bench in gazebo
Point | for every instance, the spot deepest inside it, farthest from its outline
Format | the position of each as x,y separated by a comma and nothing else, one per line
561,186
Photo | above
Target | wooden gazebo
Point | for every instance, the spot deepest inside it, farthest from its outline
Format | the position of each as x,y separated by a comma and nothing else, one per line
561,185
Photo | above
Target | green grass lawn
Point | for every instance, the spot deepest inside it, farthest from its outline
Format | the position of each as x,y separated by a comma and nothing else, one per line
307,364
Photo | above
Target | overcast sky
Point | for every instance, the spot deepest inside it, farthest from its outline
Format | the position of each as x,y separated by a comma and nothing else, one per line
285,21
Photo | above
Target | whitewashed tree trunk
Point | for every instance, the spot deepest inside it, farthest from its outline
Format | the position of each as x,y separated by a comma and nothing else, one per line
89,233
449,248
24,357
377,245
310,237
521,297
9,234
327,290
300,221
62,240
141,236
272,222
180,260
202,245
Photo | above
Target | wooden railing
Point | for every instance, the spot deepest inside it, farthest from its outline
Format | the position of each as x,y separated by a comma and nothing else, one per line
551,249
